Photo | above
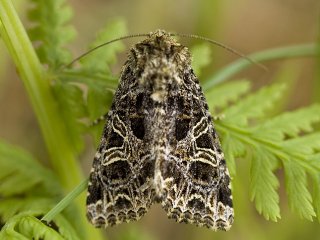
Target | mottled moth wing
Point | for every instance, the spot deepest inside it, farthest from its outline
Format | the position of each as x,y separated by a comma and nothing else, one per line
196,181
159,144
120,187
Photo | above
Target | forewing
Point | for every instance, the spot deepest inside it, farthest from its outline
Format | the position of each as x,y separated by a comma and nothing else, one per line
196,182
120,181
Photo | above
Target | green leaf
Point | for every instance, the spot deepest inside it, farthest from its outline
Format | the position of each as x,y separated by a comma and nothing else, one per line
264,184
75,102
25,185
101,59
232,148
222,94
316,193
253,106
51,32
102,84
25,226
271,146
92,80
14,205
70,98
99,103
201,55
22,174
300,199
290,123
307,144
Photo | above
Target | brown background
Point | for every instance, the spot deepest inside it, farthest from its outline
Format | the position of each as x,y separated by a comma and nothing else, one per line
246,25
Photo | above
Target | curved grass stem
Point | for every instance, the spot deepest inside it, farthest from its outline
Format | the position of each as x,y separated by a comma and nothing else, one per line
302,50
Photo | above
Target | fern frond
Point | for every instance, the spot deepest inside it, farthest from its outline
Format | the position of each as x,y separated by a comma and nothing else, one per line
300,199
22,174
27,226
264,184
99,96
98,104
13,205
70,98
316,192
307,144
254,105
97,64
95,74
27,186
201,55
290,124
270,146
51,32
232,148
223,94
100,60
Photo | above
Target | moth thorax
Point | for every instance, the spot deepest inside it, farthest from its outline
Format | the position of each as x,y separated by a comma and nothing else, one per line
159,77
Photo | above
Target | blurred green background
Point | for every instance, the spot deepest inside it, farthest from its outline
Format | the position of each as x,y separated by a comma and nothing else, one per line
246,25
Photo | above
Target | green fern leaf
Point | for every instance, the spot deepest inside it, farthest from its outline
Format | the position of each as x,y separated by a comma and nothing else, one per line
23,178
25,226
21,174
253,106
98,80
26,186
316,191
232,148
222,94
14,205
95,74
306,145
264,184
96,64
300,199
269,145
291,124
201,54
51,32
98,104
101,59
70,98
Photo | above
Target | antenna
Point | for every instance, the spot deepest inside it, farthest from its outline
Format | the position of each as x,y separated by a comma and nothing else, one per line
104,44
230,49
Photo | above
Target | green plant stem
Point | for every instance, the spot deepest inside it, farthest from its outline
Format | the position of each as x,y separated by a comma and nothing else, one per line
65,201
303,50
46,109
40,95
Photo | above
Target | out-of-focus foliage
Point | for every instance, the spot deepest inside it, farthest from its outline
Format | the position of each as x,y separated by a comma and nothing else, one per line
273,145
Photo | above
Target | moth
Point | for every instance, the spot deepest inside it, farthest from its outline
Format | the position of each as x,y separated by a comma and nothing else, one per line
159,144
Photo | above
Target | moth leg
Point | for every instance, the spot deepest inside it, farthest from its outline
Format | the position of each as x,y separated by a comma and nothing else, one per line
97,121
218,117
